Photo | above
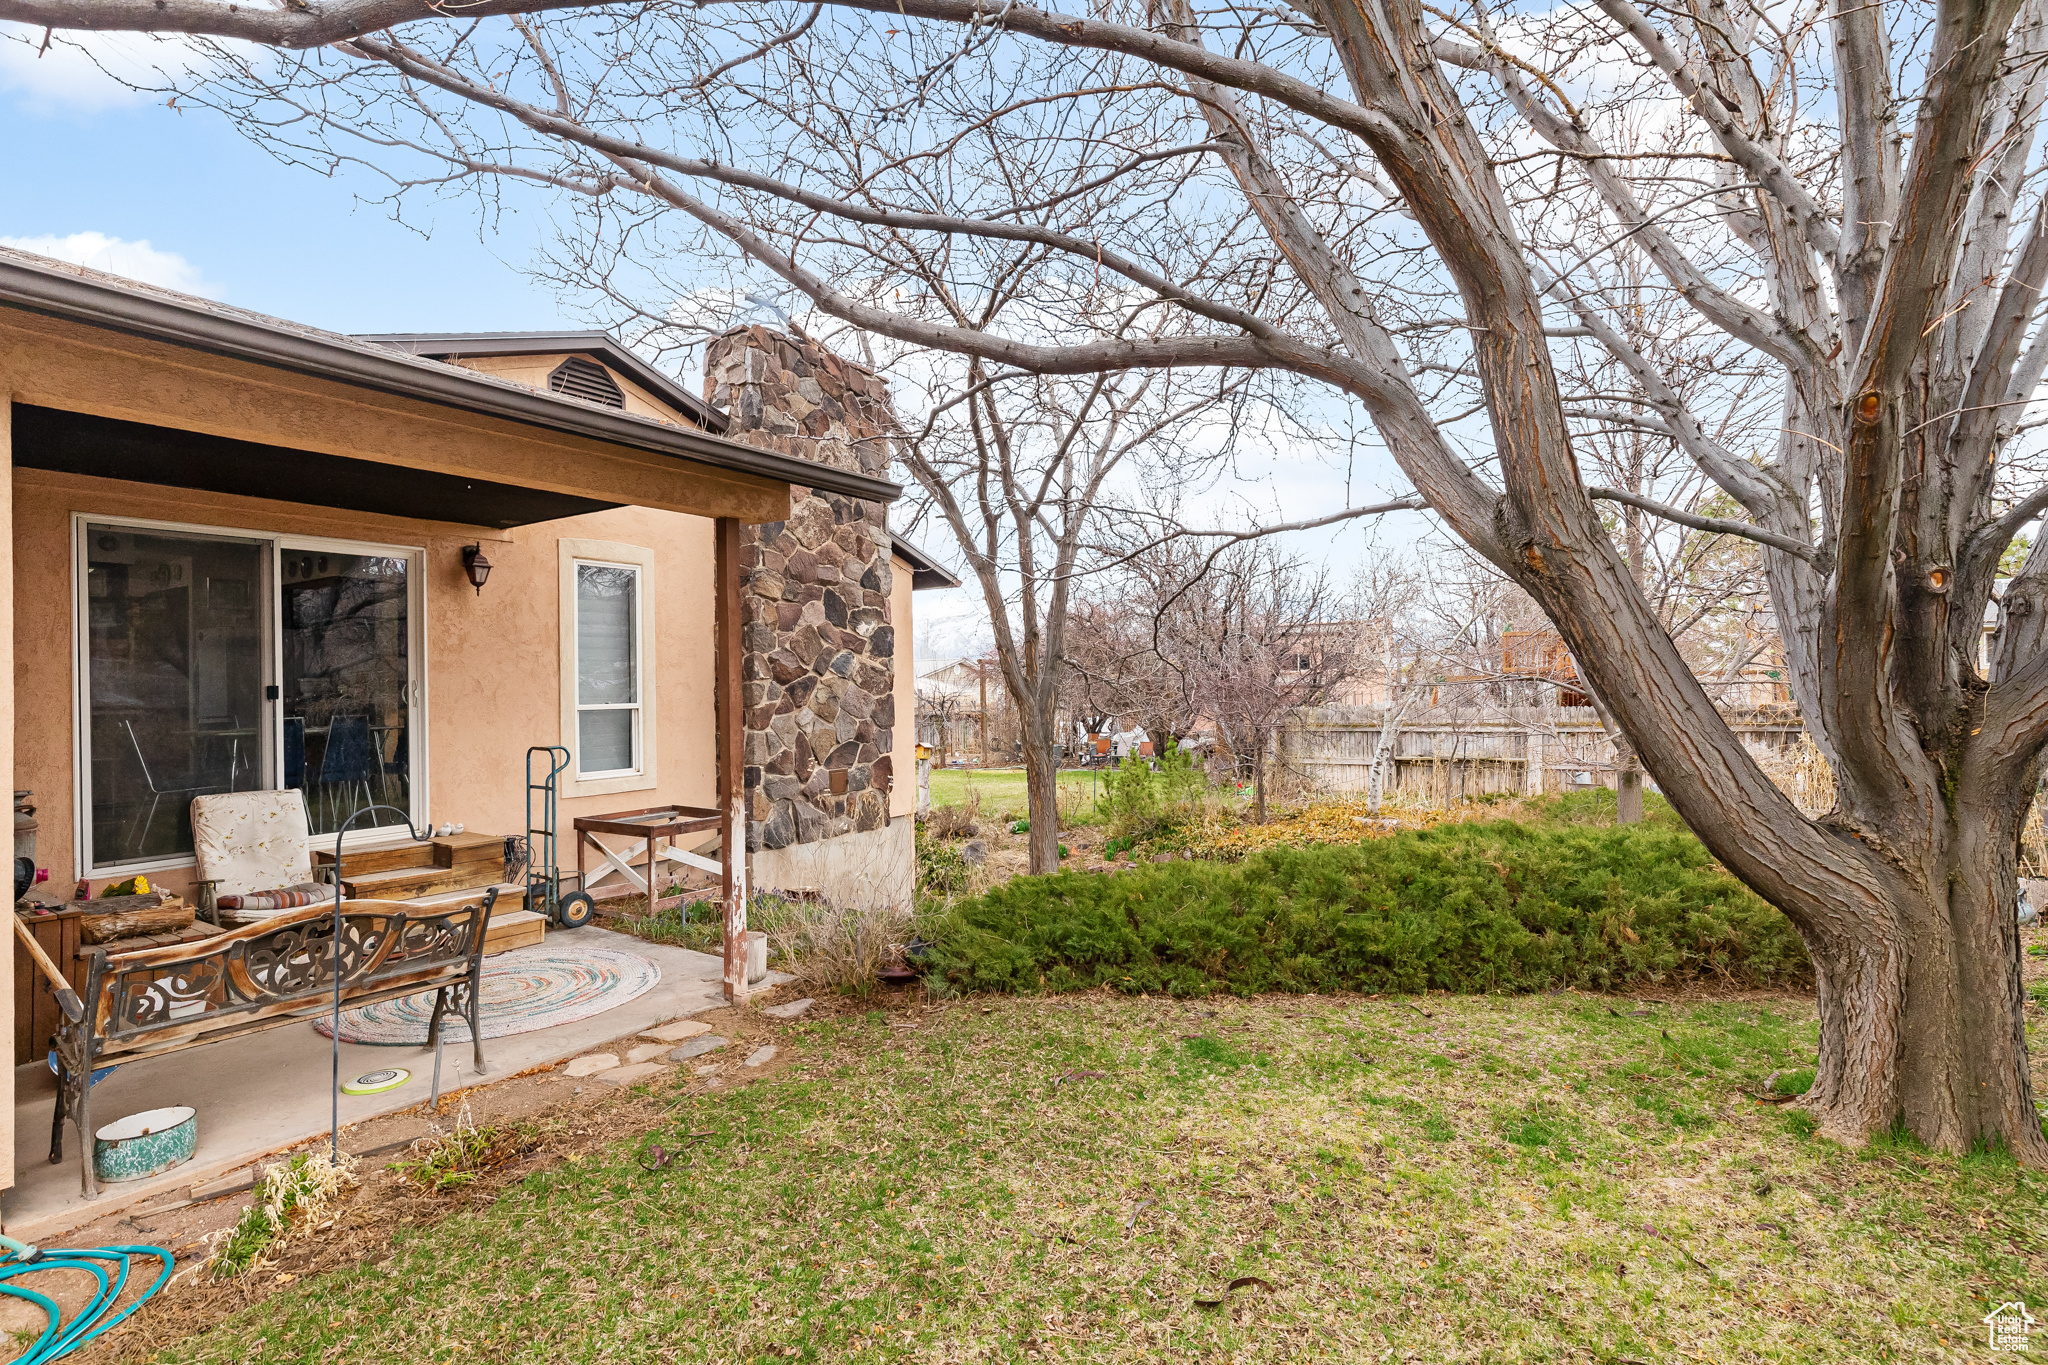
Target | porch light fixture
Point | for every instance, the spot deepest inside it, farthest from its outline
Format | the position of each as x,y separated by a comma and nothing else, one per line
476,566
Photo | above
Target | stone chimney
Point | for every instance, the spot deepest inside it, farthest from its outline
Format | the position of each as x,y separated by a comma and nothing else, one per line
819,668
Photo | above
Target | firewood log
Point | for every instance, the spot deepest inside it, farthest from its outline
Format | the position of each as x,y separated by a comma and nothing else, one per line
119,917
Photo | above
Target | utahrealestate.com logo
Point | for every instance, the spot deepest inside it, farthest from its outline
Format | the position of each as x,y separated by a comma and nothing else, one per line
2009,1324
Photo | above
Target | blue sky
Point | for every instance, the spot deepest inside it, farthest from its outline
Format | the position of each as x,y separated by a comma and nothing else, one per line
224,219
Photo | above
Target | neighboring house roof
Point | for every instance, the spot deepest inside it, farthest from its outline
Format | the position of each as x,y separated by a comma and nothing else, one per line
925,572
463,345
57,289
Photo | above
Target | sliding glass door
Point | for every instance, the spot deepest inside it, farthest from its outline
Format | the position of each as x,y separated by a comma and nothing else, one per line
174,648
347,681
225,661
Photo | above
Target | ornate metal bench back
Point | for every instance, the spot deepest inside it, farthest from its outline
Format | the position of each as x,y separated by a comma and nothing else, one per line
288,965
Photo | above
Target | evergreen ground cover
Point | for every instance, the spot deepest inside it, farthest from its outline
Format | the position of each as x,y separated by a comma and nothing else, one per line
1464,1178
1496,906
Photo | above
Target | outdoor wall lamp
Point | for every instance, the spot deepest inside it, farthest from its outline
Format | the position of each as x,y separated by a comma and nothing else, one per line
476,566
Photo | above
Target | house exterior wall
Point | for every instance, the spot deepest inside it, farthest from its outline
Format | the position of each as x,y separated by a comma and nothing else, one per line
492,671
533,371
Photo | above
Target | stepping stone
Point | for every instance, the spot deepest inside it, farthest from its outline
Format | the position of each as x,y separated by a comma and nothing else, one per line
708,1070
697,1047
677,1032
762,1056
645,1052
793,1010
591,1063
632,1075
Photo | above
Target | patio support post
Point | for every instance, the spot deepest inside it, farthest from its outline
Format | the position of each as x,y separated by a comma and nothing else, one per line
734,859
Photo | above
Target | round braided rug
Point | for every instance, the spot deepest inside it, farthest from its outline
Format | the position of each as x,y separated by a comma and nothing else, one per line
524,990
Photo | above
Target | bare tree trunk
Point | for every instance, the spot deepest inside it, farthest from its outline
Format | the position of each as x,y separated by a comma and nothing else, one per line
1042,787
1925,1020
1259,776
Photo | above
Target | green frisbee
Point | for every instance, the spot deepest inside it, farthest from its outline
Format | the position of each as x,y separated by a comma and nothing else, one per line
376,1082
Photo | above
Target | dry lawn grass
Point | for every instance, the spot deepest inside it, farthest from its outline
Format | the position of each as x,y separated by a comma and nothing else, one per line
1555,1178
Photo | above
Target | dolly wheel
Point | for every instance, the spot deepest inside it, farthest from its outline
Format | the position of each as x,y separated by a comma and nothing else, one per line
576,910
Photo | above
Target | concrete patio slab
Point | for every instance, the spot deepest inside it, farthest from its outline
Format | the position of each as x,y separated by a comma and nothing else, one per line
267,1092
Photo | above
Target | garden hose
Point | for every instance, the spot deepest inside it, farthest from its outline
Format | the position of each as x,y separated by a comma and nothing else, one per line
61,1338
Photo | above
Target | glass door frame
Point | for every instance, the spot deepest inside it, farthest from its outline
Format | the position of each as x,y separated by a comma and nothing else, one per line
273,546
363,836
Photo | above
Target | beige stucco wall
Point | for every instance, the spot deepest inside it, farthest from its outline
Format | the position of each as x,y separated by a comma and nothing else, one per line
533,371
862,868
493,672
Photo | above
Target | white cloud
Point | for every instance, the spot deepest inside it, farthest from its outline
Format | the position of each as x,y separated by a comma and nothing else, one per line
90,71
63,74
132,260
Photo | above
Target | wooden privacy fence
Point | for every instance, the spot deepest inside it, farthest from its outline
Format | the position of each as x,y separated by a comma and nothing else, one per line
1440,755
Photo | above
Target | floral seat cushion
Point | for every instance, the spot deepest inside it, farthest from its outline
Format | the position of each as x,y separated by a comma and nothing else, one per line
253,846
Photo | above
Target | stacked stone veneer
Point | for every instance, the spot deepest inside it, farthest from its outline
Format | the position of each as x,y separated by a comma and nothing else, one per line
819,671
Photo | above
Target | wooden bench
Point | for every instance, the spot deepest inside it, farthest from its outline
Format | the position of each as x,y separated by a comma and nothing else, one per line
261,976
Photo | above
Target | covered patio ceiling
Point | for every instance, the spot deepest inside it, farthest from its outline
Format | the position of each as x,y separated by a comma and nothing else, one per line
106,447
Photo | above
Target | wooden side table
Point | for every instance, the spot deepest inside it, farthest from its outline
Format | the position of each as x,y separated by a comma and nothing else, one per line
651,825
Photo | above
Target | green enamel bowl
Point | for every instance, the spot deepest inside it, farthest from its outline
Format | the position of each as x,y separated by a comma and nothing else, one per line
145,1144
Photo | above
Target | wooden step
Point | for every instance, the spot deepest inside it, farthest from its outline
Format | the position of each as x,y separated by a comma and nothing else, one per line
454,850
511,897
409,883
357,862
519,929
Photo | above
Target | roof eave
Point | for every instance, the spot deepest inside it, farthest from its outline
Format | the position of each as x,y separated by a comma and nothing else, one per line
437,345
925,572
59,295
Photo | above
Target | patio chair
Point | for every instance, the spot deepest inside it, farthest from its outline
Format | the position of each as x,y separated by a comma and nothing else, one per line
348,765
254,855
187,784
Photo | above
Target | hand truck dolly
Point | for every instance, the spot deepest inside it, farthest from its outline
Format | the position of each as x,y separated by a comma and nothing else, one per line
543,867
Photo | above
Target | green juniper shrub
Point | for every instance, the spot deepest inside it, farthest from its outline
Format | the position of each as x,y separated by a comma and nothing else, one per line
1475,907
1149,798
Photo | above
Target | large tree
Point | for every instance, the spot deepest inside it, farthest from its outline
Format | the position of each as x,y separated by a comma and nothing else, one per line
1417,212
1022,471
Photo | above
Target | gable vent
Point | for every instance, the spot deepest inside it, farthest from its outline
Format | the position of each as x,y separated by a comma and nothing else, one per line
586,379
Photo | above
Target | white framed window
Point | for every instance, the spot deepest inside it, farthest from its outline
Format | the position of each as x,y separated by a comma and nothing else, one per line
607,690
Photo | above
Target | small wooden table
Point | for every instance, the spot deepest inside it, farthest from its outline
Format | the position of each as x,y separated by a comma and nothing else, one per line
650,826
